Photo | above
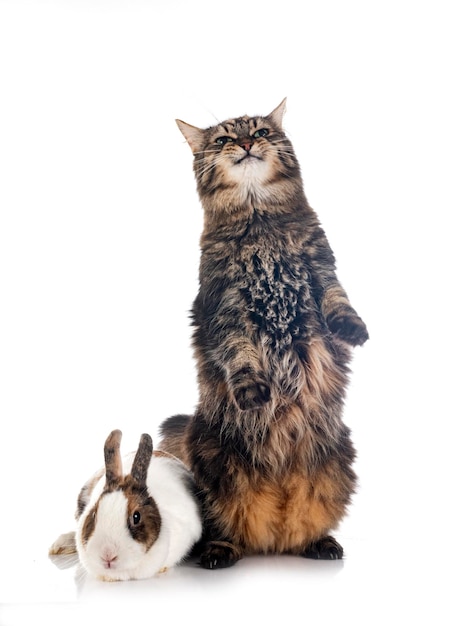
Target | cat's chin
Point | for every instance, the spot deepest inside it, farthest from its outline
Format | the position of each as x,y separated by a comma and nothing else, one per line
250,169
248,158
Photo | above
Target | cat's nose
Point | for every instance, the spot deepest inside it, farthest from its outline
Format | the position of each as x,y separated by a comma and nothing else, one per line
246,145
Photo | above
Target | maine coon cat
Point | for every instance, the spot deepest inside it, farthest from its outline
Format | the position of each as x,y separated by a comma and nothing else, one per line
273,331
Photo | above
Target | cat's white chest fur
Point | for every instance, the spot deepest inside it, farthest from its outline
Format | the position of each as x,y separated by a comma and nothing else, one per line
251,176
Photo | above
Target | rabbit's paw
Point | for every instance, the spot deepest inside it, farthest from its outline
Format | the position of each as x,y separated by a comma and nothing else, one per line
219,554
326,548
64,544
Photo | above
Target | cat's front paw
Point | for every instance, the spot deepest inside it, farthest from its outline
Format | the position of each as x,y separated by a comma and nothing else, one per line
219,554
250,393
326,548
348,327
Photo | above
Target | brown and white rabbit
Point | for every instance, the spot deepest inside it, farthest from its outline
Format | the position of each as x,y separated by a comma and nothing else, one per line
137,518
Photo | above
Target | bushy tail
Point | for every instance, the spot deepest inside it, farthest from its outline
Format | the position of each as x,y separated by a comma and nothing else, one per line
172,432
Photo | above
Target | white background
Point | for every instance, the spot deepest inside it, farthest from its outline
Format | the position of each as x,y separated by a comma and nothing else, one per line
99,232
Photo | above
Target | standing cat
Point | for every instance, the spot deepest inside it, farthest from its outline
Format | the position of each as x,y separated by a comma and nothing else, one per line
273,329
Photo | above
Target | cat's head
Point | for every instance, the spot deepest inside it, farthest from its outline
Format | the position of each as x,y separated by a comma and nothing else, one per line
243,162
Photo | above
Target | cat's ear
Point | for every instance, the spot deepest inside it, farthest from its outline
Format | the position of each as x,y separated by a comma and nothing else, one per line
278,114
193,135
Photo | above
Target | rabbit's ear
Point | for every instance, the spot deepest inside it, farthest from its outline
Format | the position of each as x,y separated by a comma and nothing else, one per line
112,459
142,459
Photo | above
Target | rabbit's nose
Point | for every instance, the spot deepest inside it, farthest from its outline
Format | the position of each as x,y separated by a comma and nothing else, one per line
109,559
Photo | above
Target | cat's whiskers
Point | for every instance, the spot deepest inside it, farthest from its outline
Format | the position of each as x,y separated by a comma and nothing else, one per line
282,147
205,168
210,164
279,144
205,152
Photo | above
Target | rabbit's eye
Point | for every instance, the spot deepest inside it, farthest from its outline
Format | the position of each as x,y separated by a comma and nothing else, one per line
136,518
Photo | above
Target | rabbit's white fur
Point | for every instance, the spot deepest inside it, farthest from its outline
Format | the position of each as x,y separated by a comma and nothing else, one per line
168,484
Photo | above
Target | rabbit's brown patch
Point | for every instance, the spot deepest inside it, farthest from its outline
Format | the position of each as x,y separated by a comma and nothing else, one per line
86,492
146,527
89,524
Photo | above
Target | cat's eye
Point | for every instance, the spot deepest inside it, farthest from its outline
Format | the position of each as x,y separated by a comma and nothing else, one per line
262,132
136,518
223,140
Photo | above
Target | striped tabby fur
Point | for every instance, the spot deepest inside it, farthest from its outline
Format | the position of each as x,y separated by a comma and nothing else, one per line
273,330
